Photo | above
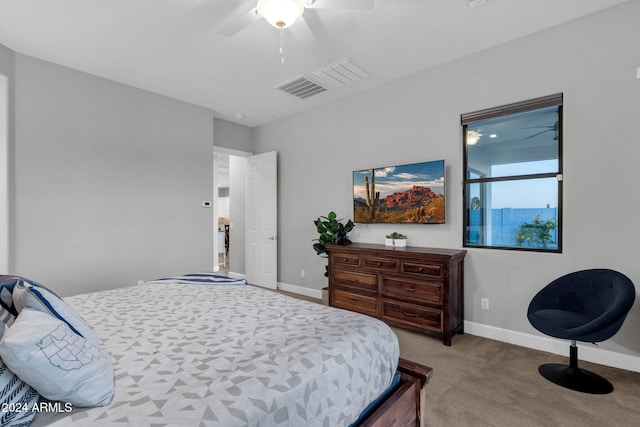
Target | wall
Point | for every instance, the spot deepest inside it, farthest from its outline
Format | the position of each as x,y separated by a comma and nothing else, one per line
417,118
109,181
6,136
233,135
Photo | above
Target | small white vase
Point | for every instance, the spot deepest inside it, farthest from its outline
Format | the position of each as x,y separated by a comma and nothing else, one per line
400,243
395,242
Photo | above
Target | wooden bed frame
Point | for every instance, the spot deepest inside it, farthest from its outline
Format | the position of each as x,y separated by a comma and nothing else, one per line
406,405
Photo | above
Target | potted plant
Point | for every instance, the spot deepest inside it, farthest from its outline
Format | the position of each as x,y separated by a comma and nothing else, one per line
332,231
395,239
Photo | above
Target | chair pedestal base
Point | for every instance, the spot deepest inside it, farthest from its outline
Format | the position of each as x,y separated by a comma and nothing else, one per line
574,378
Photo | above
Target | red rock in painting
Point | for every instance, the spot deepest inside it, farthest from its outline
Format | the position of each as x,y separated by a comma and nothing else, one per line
413,198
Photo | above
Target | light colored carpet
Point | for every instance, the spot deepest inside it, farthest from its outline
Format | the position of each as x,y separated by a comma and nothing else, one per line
482,382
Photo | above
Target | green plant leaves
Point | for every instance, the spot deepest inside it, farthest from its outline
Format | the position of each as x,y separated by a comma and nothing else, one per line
331,231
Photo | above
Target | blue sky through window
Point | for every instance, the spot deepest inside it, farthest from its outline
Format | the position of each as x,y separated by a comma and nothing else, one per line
533,193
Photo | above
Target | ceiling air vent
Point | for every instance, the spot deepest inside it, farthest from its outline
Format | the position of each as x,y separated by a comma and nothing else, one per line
341,73
302,88
475,3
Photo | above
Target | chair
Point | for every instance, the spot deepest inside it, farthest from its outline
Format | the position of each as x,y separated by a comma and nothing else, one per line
587,306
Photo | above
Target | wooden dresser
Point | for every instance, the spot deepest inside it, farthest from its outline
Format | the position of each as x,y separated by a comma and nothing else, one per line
421,289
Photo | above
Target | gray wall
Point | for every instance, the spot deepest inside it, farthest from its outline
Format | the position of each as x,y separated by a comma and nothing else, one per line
591,60
233,135
109,181
6,144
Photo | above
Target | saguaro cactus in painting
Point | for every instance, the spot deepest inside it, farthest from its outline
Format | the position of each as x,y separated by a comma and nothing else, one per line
372,196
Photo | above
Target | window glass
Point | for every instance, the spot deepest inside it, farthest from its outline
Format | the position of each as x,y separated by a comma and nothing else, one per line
514,214
513,176
495,144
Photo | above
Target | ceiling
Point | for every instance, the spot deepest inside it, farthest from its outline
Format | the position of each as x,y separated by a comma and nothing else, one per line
174,47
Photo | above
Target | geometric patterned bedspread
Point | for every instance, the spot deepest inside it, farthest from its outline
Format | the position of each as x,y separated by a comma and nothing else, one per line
225,355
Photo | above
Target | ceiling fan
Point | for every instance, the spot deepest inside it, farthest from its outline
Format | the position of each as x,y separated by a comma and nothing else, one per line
553,128
283,13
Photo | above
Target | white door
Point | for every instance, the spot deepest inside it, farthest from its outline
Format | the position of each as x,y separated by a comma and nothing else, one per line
261,261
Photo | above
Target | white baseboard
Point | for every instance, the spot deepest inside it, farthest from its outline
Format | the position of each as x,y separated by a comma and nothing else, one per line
313,293
586,351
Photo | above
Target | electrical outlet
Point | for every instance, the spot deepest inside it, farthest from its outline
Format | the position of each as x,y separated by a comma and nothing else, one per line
301,273
484,303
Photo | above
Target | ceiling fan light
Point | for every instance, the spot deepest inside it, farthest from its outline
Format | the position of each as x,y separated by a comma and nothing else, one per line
280,13
473,136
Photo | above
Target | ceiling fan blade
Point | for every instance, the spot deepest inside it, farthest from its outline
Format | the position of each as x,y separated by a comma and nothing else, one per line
237,23
339,4
302,32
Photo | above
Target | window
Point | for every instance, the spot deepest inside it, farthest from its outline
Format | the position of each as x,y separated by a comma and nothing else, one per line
513,176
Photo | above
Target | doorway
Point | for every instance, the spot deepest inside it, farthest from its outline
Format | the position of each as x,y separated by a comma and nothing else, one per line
224,214
229,183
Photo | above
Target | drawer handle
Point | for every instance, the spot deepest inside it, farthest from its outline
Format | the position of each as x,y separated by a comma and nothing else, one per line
378,264
353,280
409,314
420,268
410,289
353,300
345,260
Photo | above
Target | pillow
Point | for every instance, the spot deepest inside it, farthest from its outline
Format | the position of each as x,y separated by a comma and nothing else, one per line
17,399
59,364
7,284
27,294
6,317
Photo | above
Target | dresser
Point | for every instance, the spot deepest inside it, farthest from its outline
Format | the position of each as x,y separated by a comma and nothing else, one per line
417,288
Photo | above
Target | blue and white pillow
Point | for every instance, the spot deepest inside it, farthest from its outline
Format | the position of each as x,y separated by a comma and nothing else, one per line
58,363
17,397
7,283
6,317
28,294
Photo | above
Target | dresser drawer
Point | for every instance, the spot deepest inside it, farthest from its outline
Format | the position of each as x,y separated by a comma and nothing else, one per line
355,302
412,315
427,291
379,263
355,280
414,287
427,269
340,258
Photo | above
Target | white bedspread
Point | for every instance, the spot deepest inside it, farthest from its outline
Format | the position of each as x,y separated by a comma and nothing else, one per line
225,355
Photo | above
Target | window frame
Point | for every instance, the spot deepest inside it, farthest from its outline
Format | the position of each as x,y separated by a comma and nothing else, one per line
555,100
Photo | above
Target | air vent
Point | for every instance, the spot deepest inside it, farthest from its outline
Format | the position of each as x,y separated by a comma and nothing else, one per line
302,88
476,3
341,73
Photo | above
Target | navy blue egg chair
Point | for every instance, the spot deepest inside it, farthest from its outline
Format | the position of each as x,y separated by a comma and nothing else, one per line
587,306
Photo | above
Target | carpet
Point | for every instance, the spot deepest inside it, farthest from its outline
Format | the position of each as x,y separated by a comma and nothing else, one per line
482,382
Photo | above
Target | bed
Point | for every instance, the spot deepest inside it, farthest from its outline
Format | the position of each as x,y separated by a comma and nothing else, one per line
202,349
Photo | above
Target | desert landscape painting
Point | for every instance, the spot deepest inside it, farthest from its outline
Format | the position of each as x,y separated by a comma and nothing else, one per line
411,193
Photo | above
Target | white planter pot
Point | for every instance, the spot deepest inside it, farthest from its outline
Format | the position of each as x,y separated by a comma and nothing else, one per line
395,242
